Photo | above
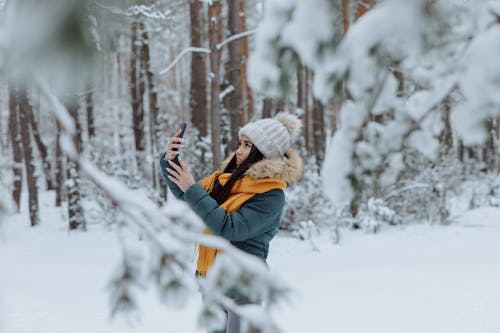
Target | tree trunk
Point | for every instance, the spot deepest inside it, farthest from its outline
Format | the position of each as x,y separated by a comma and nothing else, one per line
300,86
215,36
232,72
75,211
198,88
246,93
267,108
490,154
153,107
345,15
90,112
42,148
137,91
319,135
59,175
306,116
446,137
24,121
15,138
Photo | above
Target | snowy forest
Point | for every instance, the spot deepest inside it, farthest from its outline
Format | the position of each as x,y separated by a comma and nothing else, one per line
394,225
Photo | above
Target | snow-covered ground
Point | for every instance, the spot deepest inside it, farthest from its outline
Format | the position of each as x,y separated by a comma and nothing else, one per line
417,278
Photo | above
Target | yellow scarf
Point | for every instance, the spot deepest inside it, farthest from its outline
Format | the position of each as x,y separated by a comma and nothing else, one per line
242,190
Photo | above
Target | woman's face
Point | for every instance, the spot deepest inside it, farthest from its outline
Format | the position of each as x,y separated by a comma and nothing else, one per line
244,147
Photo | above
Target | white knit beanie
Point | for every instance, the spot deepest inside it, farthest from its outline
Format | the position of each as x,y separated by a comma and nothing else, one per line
273,137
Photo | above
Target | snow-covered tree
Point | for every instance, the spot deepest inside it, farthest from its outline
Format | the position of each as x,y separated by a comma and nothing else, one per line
444,50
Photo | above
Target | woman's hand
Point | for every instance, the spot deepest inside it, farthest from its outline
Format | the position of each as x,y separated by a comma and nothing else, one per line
180,175
173,143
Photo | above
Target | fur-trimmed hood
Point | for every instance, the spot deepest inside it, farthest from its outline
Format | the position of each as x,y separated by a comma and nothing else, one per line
288,168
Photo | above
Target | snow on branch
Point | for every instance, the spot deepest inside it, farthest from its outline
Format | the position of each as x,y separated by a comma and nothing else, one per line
205,50
235,37
184,52
138,10
148,11
226,91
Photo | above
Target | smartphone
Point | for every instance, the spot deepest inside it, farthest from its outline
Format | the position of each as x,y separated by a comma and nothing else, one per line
183,129
181,135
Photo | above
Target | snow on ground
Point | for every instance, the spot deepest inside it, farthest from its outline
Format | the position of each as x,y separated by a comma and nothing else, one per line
419,278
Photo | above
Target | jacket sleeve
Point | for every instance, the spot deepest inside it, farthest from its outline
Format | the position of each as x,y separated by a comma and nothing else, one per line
177,192
254,217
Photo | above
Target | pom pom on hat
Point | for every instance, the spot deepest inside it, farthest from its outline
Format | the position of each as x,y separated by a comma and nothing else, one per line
291,122
273,137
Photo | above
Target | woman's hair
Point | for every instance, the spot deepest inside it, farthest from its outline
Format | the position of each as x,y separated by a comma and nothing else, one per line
221,193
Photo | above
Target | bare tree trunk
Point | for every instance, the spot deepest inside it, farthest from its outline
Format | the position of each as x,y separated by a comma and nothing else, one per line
490,154
306,117
267,108
246,93
446,137
215,36
173,72
300,86
198,89
59,175
42,148
182,93
345,15
137,91
75,211
31,179
232,72
153,106
90,112
15,138
319,135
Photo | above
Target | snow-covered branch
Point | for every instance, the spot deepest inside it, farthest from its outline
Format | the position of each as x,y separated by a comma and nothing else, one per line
184,52
204,50
138,10
235,37
226,91
148,11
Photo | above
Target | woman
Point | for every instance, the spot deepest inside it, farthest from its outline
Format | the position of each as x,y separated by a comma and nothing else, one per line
243,201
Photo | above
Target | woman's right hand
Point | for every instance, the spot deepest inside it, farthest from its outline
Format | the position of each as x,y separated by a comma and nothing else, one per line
173,143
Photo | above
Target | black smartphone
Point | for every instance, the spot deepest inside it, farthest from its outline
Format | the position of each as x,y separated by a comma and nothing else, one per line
183,129
181,135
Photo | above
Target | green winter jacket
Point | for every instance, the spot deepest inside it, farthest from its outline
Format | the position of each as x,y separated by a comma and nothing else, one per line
255,223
